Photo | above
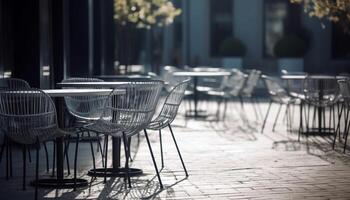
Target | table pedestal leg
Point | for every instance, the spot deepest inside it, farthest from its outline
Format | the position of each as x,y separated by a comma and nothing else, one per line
115,170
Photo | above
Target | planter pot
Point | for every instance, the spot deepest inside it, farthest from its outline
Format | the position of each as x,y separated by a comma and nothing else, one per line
290,64
232,62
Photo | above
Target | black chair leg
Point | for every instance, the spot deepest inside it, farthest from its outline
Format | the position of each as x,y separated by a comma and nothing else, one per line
178,150
37,171
24,150
54,158
47,158
127,151
267,114
11,163
154,161
7,158
346,136
75,161
278,113
29,156
161,147
2,148
106,158
66,149
92,154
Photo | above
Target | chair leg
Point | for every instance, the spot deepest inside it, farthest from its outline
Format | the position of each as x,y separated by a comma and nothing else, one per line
66,149
127,151
11,163
75,161
346,136
267,114
7,158
37,171
54,158
106,158
178,150
225,108
2,147
278,113
24,150
161,147
154,161
92,154
338,125
300,121
47,158
29,156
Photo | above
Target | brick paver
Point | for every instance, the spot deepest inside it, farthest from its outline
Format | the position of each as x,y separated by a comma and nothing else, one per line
225,160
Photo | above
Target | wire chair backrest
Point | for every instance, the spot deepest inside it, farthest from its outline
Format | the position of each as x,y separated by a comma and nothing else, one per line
321,90
27,115
85,107
234,83
344,89
251,82
294,86
172,103
276,91
13,83
134,109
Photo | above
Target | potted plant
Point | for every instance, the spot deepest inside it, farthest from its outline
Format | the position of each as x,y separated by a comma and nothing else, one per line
290,51
232,50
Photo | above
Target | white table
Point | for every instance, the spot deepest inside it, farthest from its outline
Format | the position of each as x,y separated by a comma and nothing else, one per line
195,75
105,84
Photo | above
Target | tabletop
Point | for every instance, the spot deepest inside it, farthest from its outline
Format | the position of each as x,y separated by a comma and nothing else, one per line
93,84
202,73
303,76
78,92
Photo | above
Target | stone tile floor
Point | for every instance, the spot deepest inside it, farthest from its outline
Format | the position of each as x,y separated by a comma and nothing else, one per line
227,159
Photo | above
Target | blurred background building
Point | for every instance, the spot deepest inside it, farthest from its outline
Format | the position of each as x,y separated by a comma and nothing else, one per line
52,39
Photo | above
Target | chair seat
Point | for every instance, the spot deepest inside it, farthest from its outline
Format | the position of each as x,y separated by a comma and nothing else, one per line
297,95
158,123
105,128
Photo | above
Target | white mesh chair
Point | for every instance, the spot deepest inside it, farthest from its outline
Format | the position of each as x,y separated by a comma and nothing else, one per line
231,87
29,117
277,95
247,91
126,115
344,88
167,116
85,110
14,84
321,92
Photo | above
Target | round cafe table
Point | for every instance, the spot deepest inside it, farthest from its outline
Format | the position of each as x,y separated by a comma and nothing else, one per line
320,129
195,74
116,170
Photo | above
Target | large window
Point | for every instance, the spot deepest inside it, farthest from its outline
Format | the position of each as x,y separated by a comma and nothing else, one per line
281,18
221,23
340,43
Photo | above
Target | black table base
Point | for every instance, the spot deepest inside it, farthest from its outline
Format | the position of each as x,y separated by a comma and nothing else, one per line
60,184
196,114
319,132
111,172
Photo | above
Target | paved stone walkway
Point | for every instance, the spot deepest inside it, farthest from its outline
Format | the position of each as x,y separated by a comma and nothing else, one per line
228,159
